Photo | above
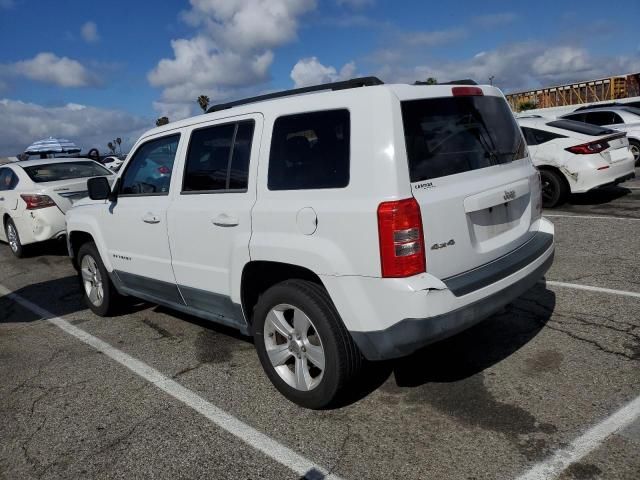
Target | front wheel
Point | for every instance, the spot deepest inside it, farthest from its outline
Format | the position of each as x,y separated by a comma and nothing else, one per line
302,344
554,189
99,293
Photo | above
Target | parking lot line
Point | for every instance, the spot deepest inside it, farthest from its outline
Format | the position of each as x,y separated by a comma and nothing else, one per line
589,288
597,217
252,437
584,444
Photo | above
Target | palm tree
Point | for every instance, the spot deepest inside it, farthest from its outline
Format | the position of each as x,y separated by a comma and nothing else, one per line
203,101
119,142
162,121
112,148
431,81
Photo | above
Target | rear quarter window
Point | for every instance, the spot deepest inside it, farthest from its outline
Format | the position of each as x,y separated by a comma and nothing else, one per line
310,151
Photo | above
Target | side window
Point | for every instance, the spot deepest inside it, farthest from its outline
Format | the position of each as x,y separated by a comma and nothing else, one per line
600,118
310,151
578,117
149,171
8,179
528,136
615,118
541,136
218,158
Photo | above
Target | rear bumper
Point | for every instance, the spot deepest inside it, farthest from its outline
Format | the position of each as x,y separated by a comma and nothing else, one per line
410,334
391,318
593,178
40,225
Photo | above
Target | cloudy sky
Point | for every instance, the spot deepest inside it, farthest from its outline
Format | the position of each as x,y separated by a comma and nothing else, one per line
91,71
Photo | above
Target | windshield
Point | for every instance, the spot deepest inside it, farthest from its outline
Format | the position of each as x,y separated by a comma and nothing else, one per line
53,172
634,110
450,135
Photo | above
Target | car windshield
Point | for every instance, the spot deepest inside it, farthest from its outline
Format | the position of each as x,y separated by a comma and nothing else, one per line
581,127
634,110
450,135
53,172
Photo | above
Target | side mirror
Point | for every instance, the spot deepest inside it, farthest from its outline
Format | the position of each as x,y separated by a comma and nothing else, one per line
99,188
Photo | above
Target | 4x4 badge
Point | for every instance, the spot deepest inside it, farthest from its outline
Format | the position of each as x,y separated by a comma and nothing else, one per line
438,246
509,195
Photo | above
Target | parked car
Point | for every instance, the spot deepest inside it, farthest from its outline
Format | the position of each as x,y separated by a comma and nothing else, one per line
112,162
620,103
623,118
356,221
35,194
575,157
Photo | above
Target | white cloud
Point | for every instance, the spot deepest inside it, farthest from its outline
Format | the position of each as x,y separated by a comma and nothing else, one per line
309,71
23,123
514,66
89,32
232,49
49,68
355,3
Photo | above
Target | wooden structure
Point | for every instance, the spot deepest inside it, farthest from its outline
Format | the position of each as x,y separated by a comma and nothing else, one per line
602,89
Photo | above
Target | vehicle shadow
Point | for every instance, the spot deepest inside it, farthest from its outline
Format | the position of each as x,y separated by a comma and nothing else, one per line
598,196
56,248
465,354
59,296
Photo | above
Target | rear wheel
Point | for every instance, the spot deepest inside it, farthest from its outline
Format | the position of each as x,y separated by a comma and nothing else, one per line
302,344
634,146
99,292
13,238
554,189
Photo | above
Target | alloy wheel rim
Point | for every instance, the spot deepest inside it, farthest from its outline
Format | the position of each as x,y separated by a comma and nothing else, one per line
12,237
547,190
294,347
635,151
92,280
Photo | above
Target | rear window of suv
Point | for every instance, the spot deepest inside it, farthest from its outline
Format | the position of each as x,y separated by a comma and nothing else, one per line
450,135
53,172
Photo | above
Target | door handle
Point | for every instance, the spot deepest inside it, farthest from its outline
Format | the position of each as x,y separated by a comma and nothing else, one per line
151,218
224,220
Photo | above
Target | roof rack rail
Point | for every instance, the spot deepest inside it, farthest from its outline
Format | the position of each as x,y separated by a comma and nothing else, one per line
343,85
466,81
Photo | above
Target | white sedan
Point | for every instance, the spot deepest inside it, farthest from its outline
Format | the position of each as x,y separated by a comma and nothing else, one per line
575,157
35,194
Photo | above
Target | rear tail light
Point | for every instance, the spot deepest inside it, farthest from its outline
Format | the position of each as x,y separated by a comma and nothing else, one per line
589,148
401,238
35,202
467,91
164,170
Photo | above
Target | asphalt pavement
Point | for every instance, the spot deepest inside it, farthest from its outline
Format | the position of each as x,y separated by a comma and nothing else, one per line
492,402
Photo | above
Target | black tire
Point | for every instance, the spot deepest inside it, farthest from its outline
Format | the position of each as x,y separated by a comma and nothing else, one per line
634,146
554,188
343,360
17,248
111,299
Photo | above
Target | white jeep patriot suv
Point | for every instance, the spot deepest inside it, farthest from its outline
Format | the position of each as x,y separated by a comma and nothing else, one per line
337,223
